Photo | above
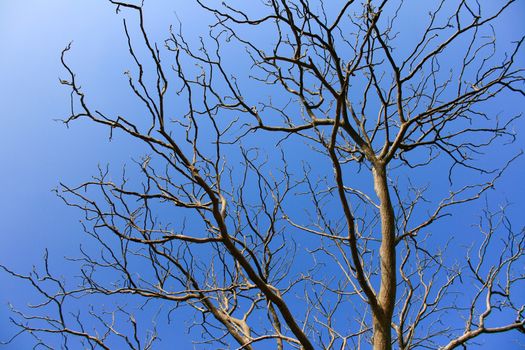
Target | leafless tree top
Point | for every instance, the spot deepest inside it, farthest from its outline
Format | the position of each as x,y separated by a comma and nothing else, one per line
284,193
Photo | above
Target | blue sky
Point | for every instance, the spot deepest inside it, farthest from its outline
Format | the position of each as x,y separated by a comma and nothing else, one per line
36,151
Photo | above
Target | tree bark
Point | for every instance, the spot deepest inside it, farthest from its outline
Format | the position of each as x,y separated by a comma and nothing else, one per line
382,338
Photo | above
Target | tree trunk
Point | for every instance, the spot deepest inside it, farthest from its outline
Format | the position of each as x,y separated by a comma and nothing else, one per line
382,335
382,339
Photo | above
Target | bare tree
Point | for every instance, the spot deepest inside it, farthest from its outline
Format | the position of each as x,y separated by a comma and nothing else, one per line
288,205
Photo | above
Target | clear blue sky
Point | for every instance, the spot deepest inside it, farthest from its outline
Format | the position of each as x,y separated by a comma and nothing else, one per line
37,152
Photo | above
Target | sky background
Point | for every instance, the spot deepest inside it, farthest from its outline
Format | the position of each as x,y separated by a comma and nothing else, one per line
36,151
40,150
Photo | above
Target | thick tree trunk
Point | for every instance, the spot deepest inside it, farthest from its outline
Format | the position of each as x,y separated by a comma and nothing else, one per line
382,335
387,293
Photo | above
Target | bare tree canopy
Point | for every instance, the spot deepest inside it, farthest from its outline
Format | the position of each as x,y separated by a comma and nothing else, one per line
302,165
